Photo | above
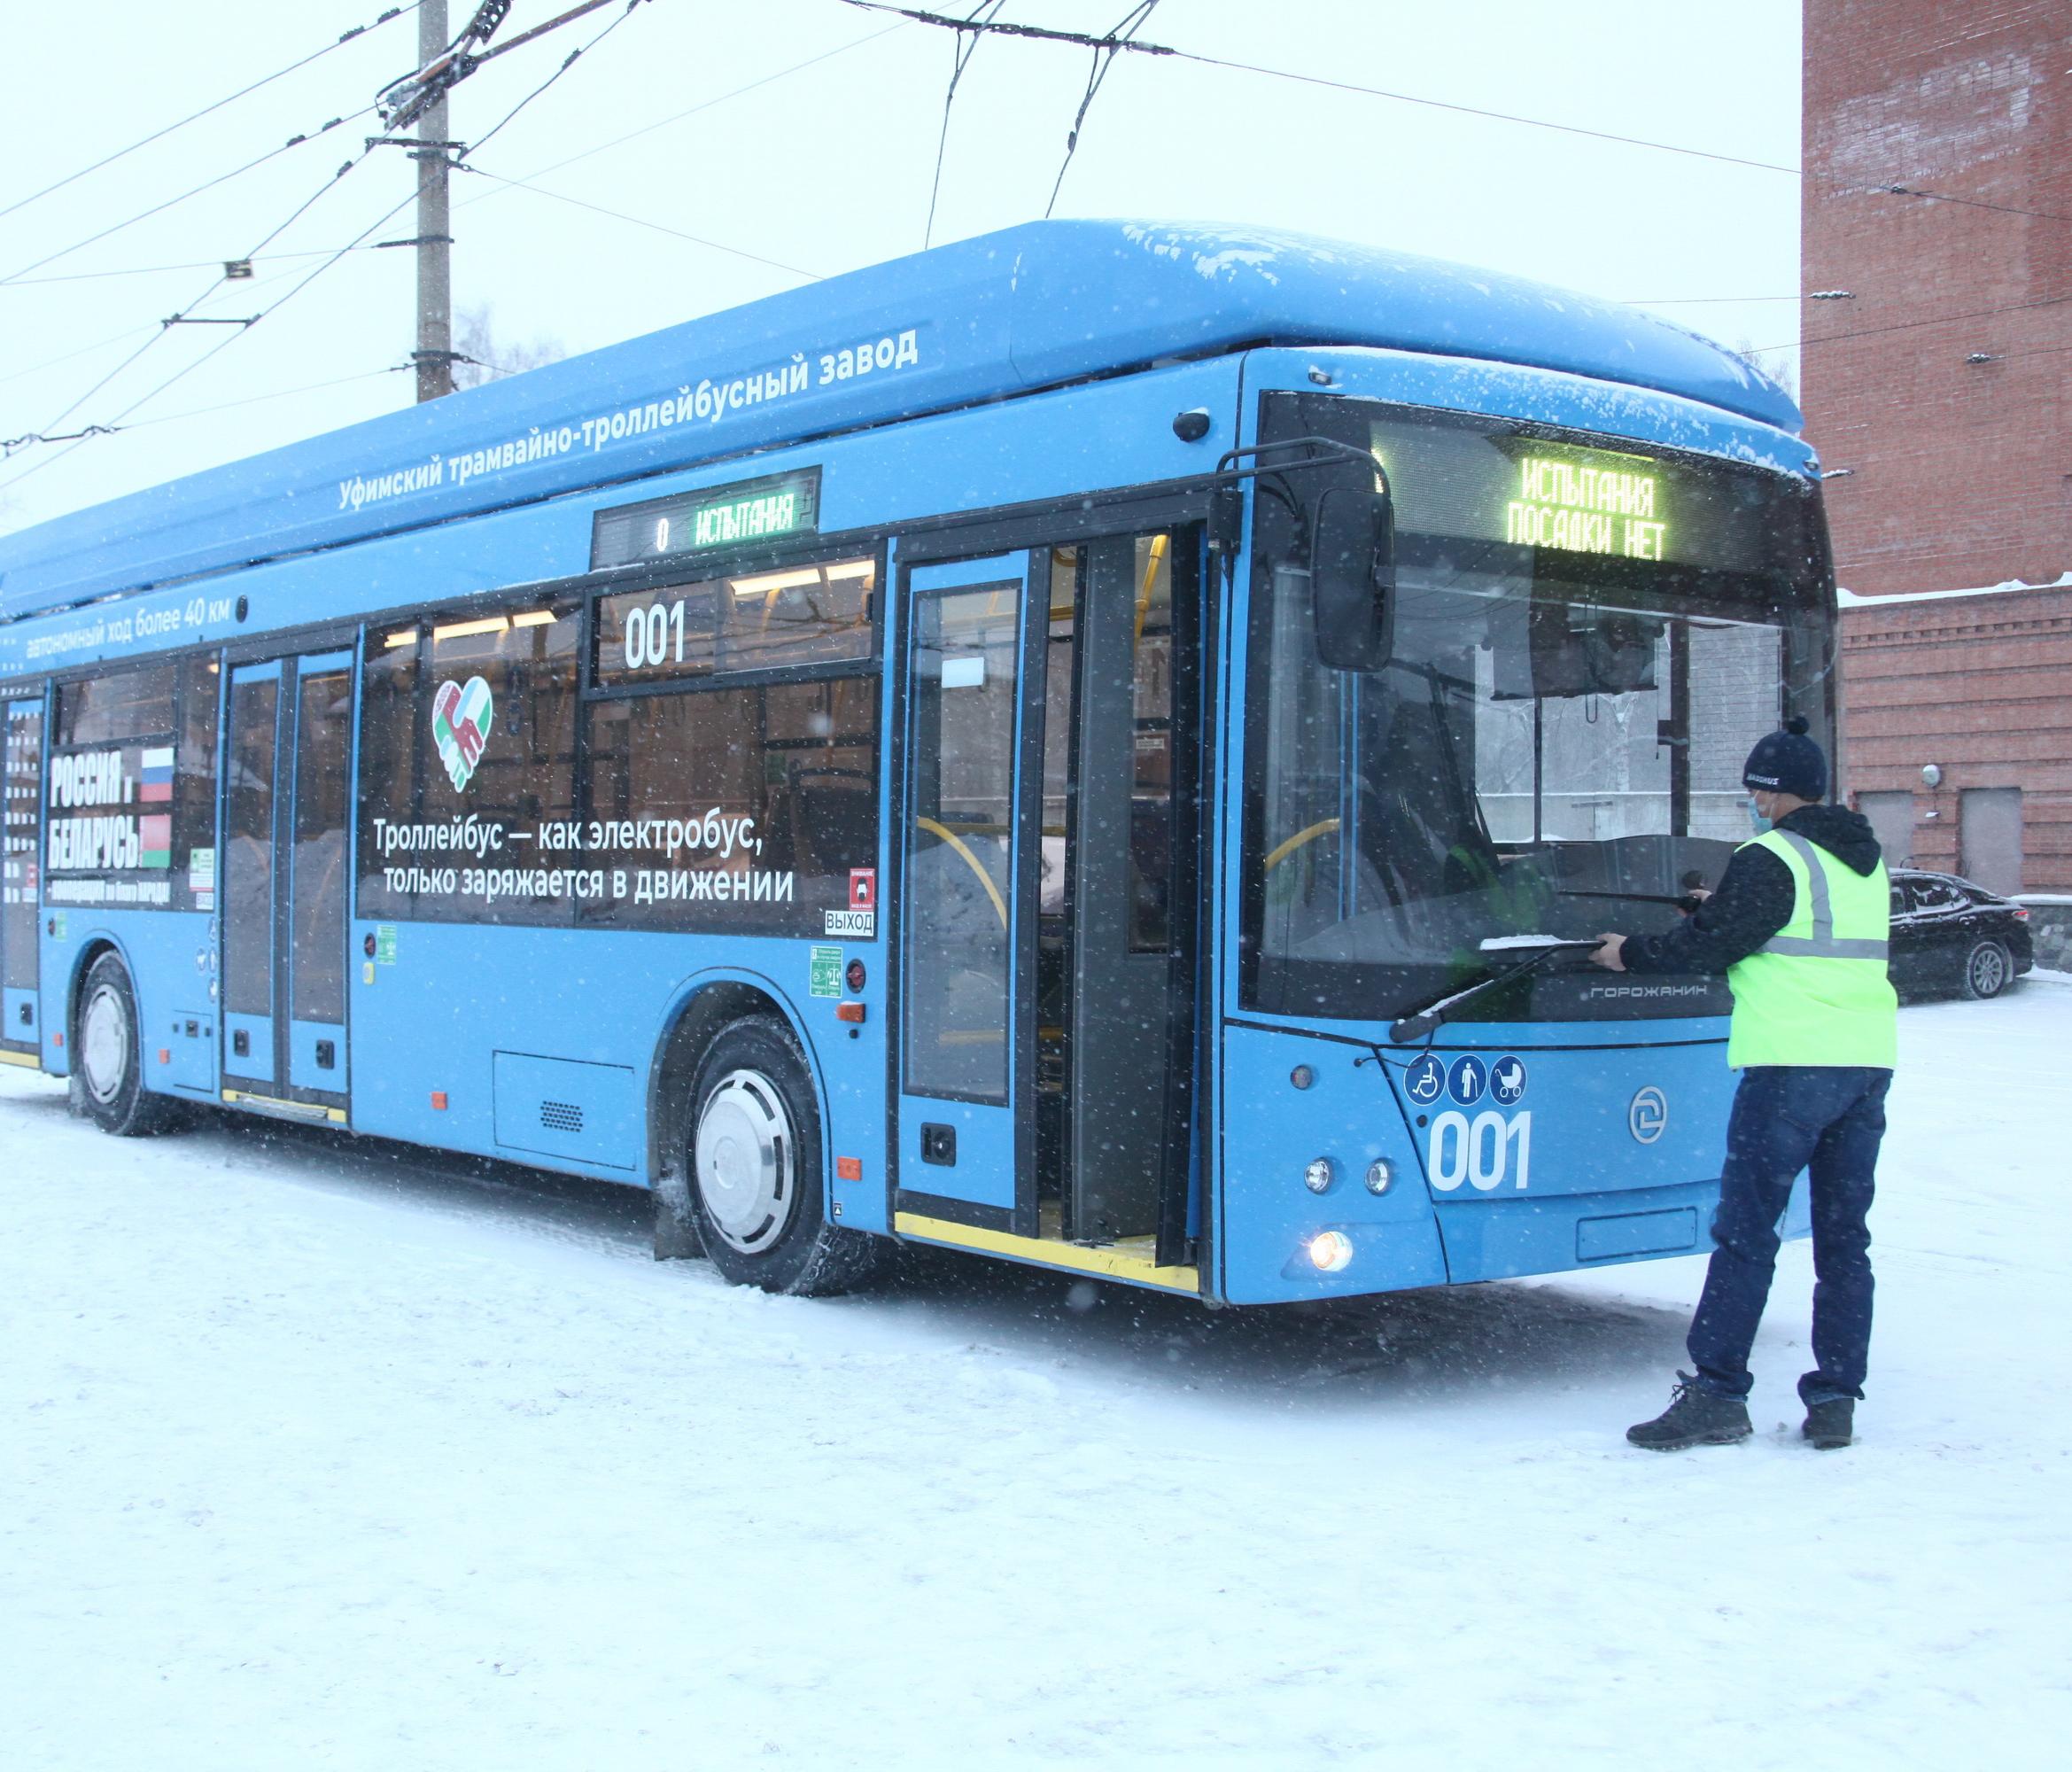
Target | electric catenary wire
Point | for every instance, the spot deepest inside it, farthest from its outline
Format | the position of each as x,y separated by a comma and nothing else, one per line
357,32
642,222
75,440
1104,57
965,47
1114,42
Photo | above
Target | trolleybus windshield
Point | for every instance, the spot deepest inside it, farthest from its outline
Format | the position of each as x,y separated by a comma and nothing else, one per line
1586,643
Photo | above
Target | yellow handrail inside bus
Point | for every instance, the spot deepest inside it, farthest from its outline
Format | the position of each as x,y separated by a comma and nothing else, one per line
971,862
1323,827
1150,575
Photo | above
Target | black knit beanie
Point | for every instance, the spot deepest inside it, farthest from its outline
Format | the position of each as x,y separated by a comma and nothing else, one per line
1788,762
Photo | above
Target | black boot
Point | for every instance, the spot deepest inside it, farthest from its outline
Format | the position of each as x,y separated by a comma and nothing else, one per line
1694,1417
1830,1425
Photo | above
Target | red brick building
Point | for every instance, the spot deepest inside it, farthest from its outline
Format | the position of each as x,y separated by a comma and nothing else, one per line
1936,392
1978,685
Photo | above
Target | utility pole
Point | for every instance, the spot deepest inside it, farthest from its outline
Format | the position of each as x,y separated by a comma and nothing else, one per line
434,354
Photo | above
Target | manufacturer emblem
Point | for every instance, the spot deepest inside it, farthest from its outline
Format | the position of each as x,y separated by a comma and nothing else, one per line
1646,1115
461,716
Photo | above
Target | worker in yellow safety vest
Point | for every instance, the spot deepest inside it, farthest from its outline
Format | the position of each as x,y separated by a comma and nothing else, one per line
1799,926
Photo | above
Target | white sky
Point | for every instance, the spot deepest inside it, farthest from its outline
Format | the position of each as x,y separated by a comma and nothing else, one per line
824,170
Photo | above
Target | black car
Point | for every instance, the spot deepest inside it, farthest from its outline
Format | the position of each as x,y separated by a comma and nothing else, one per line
1950,936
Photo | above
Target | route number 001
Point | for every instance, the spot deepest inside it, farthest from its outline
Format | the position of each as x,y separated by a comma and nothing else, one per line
648,633
1479,1150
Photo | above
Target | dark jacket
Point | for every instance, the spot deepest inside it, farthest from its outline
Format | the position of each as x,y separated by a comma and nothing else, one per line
1754,898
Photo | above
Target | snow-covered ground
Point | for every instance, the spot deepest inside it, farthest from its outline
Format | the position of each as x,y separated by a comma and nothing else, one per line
318,1454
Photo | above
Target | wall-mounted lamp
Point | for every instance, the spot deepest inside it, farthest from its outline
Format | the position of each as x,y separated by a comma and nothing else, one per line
1984,357
1832,295
1836,473
1931,775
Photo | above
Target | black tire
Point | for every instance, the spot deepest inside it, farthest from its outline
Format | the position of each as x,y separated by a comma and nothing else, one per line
757,1170
1989,969
107,1056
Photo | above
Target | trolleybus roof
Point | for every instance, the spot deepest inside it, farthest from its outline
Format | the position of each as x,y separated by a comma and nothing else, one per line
1028,308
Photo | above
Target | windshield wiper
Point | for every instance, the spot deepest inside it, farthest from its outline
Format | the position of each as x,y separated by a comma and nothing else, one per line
1683,901
1425,1020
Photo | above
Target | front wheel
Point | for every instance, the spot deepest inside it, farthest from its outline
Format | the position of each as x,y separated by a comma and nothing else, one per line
1988,969
107,1056
758,1177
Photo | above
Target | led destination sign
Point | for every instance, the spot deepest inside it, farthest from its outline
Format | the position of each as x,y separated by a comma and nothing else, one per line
1587,506
701,522
1489,483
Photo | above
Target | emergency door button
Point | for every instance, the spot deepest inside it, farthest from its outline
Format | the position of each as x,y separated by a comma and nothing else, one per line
938,1144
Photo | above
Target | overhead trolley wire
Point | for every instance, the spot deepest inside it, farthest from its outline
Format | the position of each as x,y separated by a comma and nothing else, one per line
245,326
357,31
642,222
207,185
1104,58
1114,42
962,53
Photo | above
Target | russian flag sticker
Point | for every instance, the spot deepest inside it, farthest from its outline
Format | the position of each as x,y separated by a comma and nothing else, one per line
155,776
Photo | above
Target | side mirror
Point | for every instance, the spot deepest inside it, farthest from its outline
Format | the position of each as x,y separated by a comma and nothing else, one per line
1353,577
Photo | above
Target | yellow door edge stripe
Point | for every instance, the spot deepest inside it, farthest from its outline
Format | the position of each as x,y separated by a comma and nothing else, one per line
1110,1263
301,1110
29,1060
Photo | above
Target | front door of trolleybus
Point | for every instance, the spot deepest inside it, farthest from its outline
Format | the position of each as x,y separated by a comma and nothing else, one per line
1042,1092
287,787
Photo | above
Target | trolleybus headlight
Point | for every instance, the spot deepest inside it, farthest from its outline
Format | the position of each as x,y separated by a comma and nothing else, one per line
1331,1250
1319,1176
1381,1174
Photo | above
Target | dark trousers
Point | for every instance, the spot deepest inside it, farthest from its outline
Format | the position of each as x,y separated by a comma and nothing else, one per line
1788,1118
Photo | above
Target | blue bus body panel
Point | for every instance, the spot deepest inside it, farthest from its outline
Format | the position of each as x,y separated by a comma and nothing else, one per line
1002,315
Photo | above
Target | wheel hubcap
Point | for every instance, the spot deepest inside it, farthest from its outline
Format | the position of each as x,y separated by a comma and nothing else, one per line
1986,970
745,1161
104,1042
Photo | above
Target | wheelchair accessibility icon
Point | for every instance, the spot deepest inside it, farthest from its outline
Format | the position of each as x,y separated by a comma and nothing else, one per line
1425,1081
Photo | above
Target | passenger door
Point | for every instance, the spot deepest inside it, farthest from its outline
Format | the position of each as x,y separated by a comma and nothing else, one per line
22,864
1043,913
969,850
287,787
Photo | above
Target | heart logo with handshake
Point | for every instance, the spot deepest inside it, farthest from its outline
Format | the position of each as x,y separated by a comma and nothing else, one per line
461,716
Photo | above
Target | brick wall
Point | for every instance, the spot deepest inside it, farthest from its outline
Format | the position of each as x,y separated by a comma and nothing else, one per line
1961,473
1979,685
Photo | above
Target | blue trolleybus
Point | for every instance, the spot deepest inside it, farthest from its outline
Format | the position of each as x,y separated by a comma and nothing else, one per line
1084,745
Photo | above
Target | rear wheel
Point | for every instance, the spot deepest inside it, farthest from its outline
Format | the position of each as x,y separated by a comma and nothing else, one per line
107,1057
758,1177
1988,969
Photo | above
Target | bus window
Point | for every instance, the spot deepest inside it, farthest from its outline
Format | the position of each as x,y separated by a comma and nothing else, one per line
469,716
769,792
962,772
817,614
194,786
132,703
1151,797
111,838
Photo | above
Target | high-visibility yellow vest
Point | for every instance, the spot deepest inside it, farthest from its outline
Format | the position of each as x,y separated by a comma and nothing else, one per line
1816,993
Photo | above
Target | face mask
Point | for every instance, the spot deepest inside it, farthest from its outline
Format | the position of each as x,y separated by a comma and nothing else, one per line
1757,821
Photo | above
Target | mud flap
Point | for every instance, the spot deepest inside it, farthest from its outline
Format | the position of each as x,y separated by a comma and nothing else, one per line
676,1226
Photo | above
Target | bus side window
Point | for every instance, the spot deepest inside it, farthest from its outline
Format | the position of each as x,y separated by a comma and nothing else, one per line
194,785
468,716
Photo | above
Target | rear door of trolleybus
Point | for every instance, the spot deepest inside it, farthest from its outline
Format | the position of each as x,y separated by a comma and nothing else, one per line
1043,1091
286,790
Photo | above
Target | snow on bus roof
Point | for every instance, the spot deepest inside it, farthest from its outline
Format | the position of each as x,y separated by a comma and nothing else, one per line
1028,308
